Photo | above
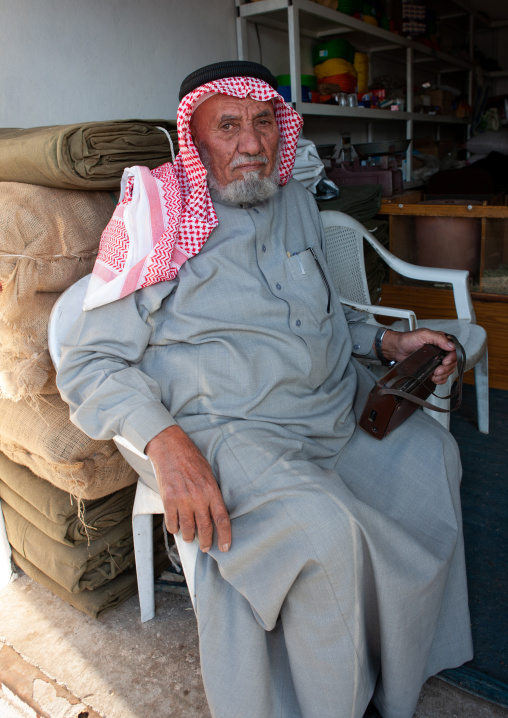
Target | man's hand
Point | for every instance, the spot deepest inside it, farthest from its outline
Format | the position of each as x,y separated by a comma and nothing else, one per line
190,494
399,345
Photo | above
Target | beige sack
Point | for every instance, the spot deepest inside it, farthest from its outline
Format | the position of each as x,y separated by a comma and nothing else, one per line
48,240
26,368
38,434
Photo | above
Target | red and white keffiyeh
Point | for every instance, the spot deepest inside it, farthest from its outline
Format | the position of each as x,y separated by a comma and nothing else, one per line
167,214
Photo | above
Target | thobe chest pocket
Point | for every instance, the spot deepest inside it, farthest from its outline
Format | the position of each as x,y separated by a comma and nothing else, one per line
311,314
310,279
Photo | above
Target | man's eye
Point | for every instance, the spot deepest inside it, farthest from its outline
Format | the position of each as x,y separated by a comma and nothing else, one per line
227,126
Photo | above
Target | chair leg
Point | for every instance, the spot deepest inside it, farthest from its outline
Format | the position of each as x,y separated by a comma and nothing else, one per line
481,380
142,527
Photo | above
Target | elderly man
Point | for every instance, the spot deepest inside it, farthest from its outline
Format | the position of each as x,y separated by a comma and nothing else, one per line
331,569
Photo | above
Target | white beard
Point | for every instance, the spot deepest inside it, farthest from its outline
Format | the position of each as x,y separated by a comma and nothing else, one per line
251,189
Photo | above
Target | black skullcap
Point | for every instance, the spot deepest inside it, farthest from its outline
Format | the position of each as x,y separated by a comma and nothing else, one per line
228,68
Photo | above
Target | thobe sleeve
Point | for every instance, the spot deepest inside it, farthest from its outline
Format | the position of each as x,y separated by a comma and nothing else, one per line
98,374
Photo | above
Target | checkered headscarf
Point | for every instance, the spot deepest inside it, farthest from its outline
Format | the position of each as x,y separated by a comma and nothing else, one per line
167,214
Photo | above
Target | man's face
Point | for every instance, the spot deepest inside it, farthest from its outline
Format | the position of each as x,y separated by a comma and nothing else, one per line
236,137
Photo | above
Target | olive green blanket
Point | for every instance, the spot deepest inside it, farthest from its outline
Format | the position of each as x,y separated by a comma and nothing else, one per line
57,513
75,568
90,155
108,596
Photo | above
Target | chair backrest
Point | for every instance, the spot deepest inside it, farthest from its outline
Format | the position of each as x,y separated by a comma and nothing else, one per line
66,310
345,259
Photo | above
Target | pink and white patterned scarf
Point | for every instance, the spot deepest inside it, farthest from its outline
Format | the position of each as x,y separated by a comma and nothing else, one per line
167,214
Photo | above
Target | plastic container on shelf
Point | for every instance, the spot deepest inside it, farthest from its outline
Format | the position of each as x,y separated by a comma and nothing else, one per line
361,65
349,7
309,84
335,66
346,81
309,81
331,49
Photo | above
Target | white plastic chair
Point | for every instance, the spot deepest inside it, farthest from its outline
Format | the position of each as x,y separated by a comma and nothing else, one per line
344,238
147,502
345,258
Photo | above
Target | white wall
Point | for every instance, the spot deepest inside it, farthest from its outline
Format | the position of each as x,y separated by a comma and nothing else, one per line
65,61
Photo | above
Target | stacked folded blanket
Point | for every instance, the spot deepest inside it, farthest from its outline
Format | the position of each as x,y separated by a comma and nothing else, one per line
91,155
67,499
105,597
56,513
81,550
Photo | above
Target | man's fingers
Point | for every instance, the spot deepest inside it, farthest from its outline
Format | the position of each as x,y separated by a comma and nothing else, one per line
187,525
192,522
192,499
205,530
171,518
444,371
450,358
223,525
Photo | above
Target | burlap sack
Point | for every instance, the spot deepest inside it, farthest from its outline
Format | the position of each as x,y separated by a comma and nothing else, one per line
23,375
38,434
48,240
26,368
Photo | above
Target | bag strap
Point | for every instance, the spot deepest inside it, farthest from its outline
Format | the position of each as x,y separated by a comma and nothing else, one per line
455,394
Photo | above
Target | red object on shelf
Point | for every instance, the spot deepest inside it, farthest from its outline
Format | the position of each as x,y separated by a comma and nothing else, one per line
346,81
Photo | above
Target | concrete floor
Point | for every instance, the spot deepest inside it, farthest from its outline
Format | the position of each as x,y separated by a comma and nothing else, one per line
56,662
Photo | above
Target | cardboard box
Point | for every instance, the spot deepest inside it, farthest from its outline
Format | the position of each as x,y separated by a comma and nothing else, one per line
429,146
441,99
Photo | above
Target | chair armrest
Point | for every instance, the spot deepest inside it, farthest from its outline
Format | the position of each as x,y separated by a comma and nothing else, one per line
456,277
406,314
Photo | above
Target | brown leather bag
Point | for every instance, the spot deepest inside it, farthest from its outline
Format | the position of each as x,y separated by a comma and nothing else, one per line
405,387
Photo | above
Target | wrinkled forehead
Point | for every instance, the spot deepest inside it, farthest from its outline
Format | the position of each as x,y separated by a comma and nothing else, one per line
217,109
213,107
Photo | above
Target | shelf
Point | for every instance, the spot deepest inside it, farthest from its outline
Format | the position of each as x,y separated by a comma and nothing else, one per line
318,22
306,19
361,113
496,74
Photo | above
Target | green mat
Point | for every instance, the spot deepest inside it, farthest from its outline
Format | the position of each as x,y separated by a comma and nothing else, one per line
485,511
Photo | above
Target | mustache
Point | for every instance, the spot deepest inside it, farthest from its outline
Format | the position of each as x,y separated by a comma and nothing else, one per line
246,159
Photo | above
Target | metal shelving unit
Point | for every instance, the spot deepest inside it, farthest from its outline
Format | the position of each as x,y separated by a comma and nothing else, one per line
303,18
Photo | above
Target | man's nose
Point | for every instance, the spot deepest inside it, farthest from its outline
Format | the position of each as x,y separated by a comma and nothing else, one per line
249,141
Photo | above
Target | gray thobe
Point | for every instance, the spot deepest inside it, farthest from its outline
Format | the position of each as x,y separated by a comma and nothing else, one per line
346,577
